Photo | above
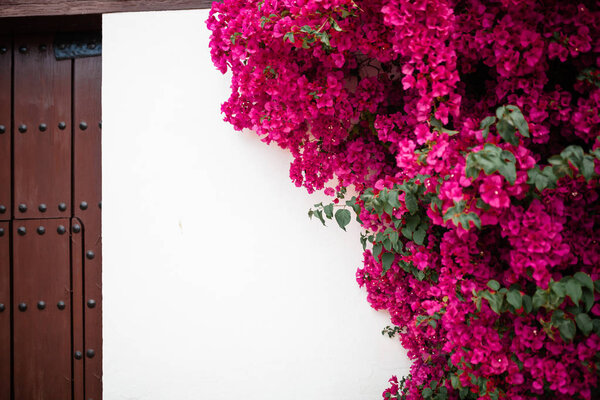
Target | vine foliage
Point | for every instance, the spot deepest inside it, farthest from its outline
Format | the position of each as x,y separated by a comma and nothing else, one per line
469,132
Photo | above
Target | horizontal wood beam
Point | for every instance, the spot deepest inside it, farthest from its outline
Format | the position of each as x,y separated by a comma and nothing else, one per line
29,8
54,23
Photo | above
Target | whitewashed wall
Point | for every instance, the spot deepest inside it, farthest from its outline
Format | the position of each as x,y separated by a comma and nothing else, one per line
216,284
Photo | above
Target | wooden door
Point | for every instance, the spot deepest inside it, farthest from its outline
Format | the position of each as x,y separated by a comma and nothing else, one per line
50,215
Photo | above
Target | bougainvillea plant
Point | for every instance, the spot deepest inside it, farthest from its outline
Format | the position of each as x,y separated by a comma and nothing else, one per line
469,131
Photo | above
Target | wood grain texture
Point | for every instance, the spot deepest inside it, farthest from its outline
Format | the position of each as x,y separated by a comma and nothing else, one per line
53,23
6,310
5,127
87,195
26,8
41,159
42,339
77,306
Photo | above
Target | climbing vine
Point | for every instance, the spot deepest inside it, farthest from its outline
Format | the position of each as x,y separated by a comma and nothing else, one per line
469,133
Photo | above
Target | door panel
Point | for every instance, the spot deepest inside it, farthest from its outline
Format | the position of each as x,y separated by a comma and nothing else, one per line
42,134
42,310
5,126
50,216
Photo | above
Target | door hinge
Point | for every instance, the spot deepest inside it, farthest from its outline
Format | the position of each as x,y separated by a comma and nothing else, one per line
71,45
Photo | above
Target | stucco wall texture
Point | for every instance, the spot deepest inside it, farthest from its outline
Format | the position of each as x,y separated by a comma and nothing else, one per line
216,283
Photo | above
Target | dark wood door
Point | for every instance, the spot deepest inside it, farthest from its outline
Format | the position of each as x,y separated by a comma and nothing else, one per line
50,216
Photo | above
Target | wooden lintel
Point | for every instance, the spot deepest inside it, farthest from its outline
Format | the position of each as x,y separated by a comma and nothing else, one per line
30,8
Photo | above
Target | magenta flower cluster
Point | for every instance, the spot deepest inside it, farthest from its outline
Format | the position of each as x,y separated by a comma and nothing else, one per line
470,131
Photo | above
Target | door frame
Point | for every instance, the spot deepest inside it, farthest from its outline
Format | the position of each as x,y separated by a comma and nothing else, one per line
30,8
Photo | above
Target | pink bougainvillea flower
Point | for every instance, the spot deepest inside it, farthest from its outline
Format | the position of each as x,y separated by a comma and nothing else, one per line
469,133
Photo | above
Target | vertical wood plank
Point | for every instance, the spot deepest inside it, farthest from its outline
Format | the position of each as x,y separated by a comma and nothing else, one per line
78,305
5,126
42,131
42,335
87,189
5,310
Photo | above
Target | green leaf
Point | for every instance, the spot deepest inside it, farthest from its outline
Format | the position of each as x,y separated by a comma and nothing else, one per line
507,167
527,303
324,36
363,241
587,169
412,221
436,204
507,132
491,159
540,298
442,394
588,299
343,218
573,154
573,288
377,250
455,381
328,210
386,262
558,316
585,280
393,199
494,285
584,323
319,215
289,36
394,236
463,221
513,297
510,118
559,288
427,392
496,302
411,202
454,212
474,218
419,235
542,179
486,124
567,329
596,323
518,120
335,25
387,244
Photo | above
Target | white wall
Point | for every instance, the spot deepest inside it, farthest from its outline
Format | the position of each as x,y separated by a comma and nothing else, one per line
216,284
